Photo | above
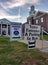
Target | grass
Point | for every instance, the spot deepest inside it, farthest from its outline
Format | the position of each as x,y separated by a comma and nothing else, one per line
17,53
45,37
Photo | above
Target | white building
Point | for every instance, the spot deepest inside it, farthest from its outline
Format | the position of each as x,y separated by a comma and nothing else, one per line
5,27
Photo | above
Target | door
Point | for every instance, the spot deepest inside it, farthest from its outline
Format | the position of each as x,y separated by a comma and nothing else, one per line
4,29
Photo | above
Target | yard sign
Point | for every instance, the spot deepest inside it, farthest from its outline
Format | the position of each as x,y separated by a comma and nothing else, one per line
16,32
32,33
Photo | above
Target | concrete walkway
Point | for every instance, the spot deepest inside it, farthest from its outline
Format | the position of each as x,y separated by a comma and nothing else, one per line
40,44
44,50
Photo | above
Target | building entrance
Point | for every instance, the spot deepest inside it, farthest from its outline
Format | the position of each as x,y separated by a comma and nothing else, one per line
4,29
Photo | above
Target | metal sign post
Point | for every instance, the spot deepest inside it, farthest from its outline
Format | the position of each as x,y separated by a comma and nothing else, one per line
42,37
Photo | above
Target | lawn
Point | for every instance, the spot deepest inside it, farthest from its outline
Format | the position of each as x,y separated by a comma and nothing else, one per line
17,53
45,37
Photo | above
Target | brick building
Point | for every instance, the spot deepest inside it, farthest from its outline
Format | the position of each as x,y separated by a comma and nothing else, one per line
38,18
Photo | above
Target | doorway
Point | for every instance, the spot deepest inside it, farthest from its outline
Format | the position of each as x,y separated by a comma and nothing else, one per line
4,29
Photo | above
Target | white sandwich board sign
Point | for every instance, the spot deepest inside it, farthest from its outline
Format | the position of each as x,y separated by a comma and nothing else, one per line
16,32
32,33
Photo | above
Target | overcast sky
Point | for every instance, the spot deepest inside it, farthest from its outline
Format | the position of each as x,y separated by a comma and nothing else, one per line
10,9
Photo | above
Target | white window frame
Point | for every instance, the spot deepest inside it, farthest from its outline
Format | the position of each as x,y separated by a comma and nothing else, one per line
29,22
37,21
42,19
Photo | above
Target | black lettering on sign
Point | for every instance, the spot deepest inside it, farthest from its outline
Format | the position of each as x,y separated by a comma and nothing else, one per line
31,44
33,38
26,34
26,30
30,34
28,38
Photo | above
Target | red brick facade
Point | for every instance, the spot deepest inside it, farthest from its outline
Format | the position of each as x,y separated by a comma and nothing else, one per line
45,20
37,18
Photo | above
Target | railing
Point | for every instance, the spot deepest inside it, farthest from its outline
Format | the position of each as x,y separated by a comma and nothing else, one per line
45,32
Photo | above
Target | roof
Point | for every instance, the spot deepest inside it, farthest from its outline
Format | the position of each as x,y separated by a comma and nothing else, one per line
15,23
40,13
5,21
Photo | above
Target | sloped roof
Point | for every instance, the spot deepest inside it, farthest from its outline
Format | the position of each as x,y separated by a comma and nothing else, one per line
40,13
15,23
4,21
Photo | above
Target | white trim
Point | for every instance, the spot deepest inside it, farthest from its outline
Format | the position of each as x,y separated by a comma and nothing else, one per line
7,30
42,20
36,21
29,22
1,28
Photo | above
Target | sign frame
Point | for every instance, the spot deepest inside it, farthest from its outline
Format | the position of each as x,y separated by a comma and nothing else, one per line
16,32
32,30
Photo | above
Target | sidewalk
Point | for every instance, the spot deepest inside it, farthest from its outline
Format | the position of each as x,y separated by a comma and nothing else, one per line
44,50
41,45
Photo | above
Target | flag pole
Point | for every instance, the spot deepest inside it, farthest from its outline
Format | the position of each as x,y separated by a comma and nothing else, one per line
19,15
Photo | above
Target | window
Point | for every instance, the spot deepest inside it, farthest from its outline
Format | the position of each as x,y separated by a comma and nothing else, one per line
4,25
29,22
8,29
36,21
41,19
42,27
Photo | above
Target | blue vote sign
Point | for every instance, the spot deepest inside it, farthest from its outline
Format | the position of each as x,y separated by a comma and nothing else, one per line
16,32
